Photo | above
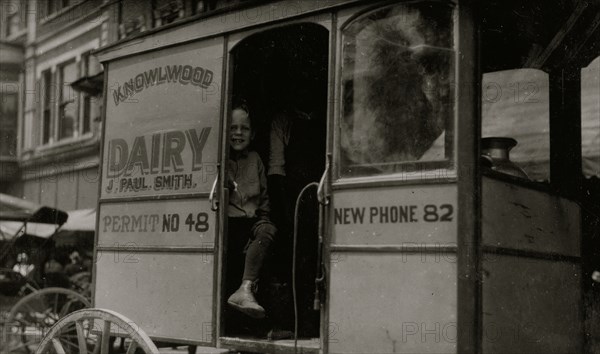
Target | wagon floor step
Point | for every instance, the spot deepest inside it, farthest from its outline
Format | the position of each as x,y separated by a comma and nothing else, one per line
199,350
282,346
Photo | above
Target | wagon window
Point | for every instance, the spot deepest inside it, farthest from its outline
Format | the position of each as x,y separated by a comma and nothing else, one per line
397,90
515,104
590,122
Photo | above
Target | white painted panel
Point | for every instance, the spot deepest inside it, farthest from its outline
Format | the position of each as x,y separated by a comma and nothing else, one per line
167,295
531,306
392,303
187,222
162,121
522,218
424,214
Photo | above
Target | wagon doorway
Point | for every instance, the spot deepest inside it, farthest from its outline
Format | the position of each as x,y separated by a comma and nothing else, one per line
281,76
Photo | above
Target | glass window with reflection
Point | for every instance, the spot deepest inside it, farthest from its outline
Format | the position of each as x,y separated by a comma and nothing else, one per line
47,103
67,114
398,90
90,105
515,104
8,124
590,119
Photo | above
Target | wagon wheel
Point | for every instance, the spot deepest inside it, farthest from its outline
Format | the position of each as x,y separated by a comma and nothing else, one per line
92,331
32,316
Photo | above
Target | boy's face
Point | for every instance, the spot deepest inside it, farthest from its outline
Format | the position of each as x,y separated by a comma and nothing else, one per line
240,132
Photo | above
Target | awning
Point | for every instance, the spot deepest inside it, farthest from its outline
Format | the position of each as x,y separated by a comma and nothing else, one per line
80,220
20,217
78,231
92,85
79,228
17,209
12,229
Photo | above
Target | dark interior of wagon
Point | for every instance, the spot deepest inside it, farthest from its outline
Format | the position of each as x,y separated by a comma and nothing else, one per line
282,74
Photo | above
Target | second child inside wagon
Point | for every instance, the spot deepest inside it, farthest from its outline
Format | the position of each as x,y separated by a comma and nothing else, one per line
251,232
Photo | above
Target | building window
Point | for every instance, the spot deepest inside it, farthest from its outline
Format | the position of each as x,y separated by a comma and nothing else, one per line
65,112
167,11
15,18
132,26
47,101
133,17
13,22
202,6
67,108
199,6
54,6
90,65
87,114
90,105
8,124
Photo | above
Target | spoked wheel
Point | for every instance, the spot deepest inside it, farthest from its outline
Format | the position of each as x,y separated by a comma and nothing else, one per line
32,316
93,331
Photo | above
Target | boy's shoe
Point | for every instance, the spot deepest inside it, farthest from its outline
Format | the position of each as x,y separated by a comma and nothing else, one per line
243,300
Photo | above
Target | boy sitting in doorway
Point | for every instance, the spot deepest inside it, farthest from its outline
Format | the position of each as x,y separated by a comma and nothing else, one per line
250,229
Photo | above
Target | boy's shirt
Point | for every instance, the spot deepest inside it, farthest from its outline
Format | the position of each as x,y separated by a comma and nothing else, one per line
248,198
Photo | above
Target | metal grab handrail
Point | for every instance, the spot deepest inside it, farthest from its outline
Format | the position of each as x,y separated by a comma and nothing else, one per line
213,191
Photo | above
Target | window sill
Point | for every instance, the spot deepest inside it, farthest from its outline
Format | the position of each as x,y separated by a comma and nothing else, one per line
66,151
76,141
16,35
8,158
438,176
60,12
67,148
